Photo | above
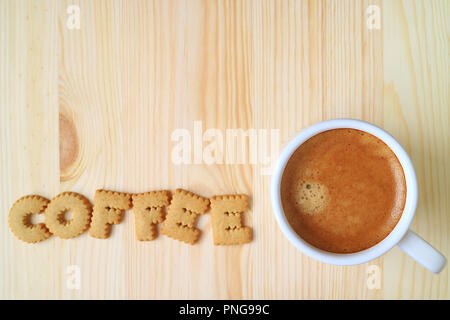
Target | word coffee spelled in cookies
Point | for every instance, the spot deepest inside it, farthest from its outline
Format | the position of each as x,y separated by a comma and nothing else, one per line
109,208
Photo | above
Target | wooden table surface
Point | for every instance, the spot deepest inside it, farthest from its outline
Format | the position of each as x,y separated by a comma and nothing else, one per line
95,107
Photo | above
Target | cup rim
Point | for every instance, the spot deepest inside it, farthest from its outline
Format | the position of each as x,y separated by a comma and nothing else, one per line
380,248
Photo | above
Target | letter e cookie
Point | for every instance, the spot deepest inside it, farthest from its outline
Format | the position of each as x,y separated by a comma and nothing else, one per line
227,221
182,214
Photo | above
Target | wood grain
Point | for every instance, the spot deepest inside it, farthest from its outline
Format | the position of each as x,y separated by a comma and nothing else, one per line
95,108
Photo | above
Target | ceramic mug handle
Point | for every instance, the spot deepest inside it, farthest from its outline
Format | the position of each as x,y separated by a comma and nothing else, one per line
422,252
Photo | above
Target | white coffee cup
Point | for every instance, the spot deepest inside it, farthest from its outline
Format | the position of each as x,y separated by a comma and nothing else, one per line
406,239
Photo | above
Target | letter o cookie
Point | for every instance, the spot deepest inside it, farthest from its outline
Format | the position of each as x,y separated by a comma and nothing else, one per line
81,217
19,219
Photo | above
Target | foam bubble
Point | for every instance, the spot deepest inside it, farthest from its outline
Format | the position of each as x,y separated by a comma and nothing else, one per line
310,197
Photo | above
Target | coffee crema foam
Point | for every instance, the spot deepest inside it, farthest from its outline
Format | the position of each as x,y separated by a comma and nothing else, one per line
343,190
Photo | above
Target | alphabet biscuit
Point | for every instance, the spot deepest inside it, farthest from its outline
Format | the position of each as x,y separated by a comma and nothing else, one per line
81,219
148,211
109,207
227,221
182,214
108,210
19,219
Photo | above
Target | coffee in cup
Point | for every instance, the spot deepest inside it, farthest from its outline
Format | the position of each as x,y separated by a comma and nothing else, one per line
343,190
